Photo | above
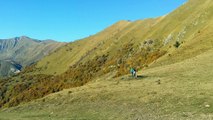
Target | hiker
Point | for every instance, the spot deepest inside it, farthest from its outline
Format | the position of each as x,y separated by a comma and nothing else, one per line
133,72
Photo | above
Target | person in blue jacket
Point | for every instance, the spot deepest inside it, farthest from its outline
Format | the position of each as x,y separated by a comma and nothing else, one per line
133,72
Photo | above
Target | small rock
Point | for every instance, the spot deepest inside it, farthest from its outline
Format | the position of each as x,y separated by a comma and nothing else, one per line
207,106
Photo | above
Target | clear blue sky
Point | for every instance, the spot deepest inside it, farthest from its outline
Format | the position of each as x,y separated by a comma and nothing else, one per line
68,20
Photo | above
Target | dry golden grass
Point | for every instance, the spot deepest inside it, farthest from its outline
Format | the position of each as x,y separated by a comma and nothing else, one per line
177,91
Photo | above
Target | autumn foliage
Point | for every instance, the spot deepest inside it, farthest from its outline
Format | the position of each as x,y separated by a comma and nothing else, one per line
27,86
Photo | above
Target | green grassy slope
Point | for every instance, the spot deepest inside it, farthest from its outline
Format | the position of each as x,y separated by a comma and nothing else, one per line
108,41
193,30
176,91
65,57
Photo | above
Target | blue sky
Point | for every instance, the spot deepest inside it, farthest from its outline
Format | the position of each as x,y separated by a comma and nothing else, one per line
68,20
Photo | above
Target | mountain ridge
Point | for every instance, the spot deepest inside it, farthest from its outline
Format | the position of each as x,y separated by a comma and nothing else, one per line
25,50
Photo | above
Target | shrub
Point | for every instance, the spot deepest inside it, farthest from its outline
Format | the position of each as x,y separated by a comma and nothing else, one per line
177,44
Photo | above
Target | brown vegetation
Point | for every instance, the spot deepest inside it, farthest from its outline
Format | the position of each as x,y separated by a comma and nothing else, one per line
26,86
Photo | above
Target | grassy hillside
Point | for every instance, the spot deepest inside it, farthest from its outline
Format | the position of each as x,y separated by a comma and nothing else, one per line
110,41
95,63
67,56
189,24
179,91
162,44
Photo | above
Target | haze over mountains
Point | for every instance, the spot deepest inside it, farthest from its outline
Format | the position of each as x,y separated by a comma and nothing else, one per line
173,56
19,52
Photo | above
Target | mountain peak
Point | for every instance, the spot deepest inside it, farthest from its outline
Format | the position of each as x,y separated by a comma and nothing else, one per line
25,37
19,38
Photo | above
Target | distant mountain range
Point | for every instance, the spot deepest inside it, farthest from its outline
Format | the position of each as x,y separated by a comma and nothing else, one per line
8,67
19,52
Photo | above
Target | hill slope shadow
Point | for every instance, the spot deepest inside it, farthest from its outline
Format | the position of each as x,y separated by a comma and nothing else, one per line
139,77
